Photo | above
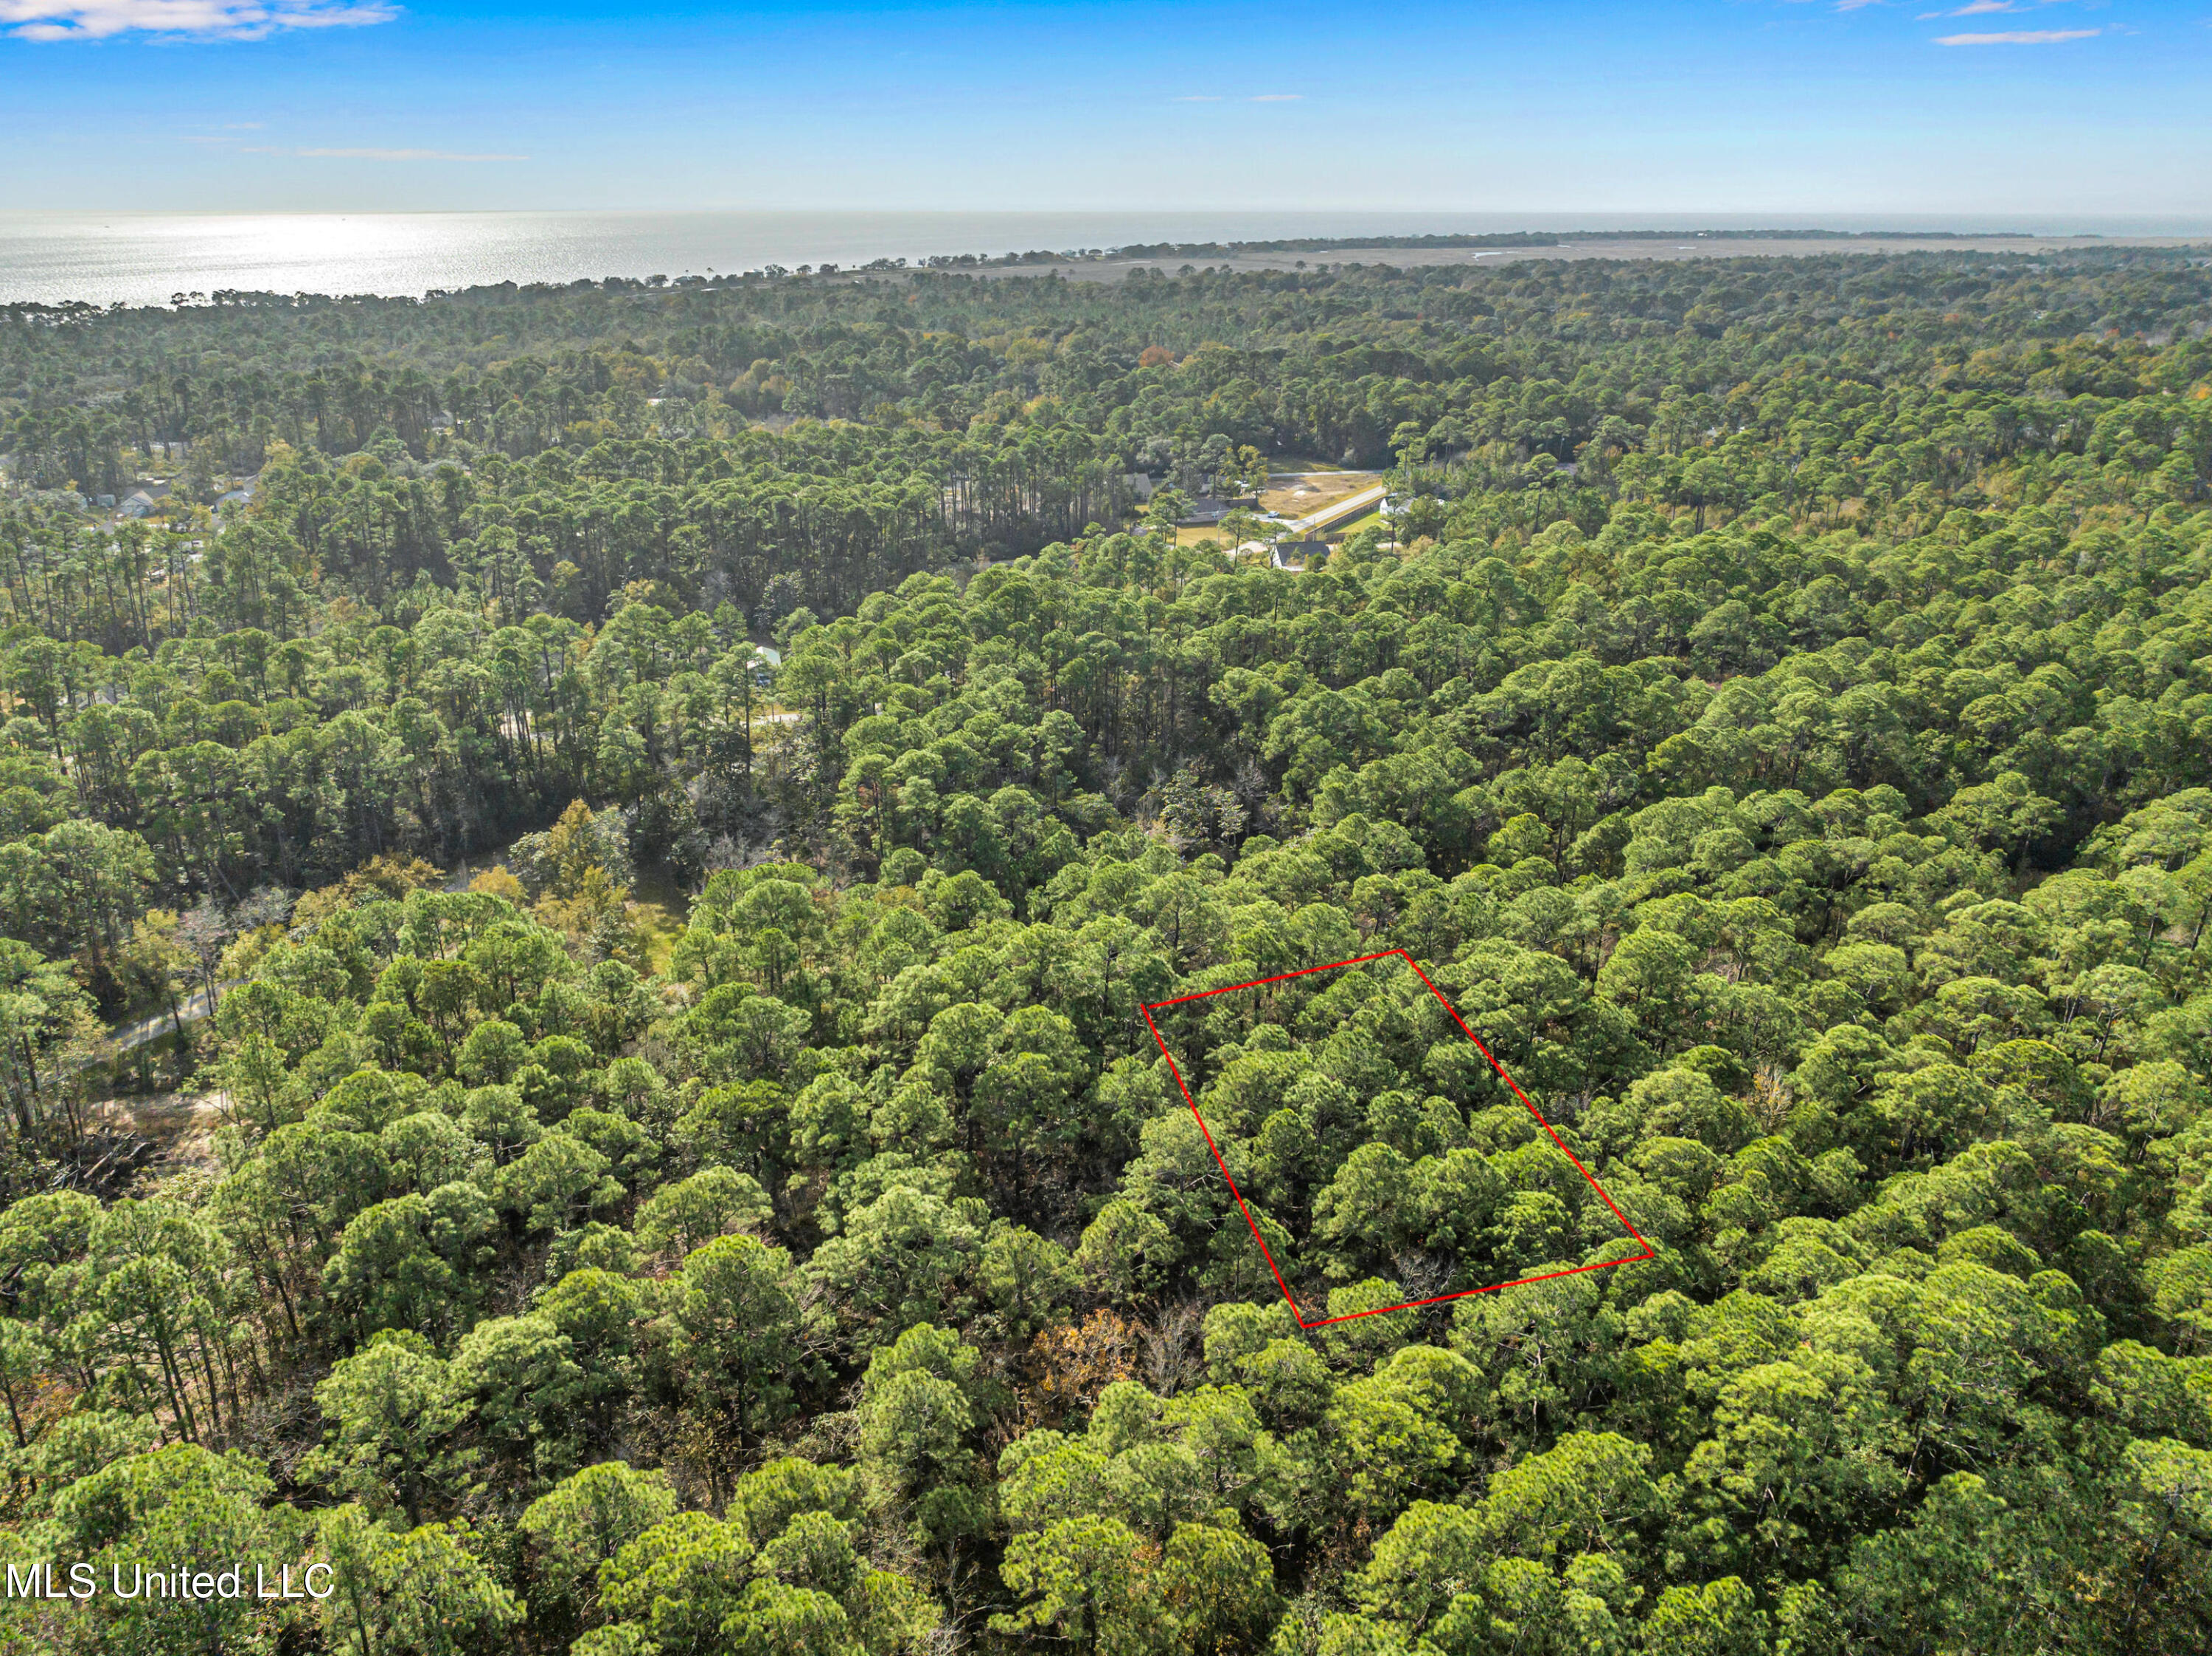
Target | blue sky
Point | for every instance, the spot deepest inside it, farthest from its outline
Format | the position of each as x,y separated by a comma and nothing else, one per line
1867,106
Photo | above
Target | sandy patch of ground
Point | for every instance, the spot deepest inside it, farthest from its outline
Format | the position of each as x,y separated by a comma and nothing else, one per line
179,1127
1300,497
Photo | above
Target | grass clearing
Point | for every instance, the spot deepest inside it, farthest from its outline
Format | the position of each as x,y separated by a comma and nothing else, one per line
1309,494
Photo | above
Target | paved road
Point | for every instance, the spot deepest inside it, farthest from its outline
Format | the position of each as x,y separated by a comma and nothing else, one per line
1349,505
128,1035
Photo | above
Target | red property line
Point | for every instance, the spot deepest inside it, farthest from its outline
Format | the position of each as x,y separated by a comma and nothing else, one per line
1148,1008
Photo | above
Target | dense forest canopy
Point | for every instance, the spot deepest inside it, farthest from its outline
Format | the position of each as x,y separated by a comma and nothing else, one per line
1781,726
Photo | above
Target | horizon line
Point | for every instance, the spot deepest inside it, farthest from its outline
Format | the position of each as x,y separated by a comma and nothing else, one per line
1739,218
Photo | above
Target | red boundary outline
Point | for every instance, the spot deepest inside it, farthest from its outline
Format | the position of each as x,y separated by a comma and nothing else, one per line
1147,1009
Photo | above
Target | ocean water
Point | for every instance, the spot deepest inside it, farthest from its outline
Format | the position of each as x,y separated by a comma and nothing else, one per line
143,258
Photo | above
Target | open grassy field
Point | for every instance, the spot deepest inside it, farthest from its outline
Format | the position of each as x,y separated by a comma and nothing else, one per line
1284,464
1295,498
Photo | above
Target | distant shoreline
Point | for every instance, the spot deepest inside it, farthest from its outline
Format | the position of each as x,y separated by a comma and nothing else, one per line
144,259
1663,246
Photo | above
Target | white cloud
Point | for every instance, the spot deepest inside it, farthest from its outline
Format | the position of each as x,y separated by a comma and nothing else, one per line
2019,37
1970,9
220,20
1991,7
1278,97
391,156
